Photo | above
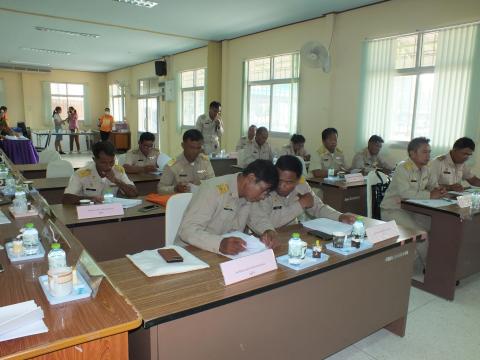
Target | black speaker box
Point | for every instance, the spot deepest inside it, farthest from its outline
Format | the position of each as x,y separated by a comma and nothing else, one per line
161,68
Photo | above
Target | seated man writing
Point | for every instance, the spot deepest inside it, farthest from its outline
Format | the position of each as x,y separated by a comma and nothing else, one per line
143,159
98,177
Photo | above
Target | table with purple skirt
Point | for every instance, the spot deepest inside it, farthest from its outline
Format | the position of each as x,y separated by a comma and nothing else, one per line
20,151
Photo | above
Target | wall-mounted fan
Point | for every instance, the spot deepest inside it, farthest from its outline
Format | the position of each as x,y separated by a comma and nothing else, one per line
315,55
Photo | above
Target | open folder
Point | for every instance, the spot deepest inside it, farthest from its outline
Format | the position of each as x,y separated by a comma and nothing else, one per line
22,319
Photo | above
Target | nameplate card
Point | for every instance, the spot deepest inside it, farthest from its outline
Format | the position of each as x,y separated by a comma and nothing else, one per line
464,201
247,267
382,232
351,178
101,210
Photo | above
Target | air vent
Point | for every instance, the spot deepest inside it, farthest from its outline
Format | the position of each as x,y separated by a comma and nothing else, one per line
19,67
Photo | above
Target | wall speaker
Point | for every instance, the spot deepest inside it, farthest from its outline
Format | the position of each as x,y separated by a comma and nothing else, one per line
161,68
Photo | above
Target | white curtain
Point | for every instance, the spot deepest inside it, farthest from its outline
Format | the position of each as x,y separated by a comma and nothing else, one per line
86,107
3,100
47,105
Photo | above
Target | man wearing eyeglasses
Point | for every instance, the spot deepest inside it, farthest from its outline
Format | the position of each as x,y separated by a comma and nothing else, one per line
450,169
143,159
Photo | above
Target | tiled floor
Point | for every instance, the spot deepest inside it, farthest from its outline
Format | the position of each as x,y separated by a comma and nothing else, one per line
436,330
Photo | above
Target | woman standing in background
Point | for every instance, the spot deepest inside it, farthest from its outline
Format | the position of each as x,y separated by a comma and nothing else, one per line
58,122
4,128
73,127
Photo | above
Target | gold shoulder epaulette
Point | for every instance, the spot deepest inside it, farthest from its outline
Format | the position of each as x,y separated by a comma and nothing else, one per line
171,162
322,150
223,188
204,156
442,157
339,150
302,180
84,173
119,168
407,165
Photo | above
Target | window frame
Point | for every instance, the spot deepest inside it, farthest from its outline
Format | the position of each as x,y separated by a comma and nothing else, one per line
193,88
112,102
69,96
149,95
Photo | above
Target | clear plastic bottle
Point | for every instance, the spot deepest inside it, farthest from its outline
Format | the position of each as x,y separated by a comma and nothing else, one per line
30,240
296,249
10,185
56,257
108,196
358,230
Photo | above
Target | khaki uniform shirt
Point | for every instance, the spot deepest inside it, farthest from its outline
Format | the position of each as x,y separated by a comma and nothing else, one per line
216,209
366,161
447,172
254,152
179,170
288,150
138,158
322,159
284,210
87,182
408,182
211,134
243,143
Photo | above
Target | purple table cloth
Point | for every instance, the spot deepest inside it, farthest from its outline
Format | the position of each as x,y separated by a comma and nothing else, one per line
20,151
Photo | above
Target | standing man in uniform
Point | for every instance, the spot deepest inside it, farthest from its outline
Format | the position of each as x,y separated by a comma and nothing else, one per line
245,141
105,124
369,158
190,167
143,159
99,176
329,156
293,196
223,204
258,149
450,169
211,127
296,147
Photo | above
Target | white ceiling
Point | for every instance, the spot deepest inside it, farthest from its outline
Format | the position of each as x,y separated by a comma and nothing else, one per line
131,35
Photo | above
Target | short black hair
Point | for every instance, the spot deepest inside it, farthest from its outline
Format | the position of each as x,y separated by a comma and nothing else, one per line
376,139
327,132
463,143
215,104
290,163
262,129
415,143
103,146
192,135
146,136
3,107
107,109
264,170
297,139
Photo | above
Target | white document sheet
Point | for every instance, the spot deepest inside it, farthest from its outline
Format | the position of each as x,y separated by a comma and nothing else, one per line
434,203
4,218
254,245
127,203
327,226
22,319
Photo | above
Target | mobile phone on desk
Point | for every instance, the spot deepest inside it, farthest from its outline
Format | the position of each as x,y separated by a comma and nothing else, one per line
148,208
170,255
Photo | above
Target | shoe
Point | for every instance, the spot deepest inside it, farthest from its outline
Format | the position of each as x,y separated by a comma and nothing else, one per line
61,153
71,152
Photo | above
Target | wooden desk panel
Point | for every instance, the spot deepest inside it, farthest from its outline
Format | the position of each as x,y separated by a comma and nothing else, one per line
223,166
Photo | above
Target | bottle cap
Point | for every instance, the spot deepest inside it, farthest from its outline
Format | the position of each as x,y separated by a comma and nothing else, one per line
318,242
29,226
55,245
296,235
360,218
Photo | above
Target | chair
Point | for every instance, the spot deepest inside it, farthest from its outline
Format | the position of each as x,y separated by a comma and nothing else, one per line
48,155
304,167
59,168
121,159
162,160
377,184
47,142
176,206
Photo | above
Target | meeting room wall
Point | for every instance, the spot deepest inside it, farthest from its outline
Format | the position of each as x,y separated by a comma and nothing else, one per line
24,99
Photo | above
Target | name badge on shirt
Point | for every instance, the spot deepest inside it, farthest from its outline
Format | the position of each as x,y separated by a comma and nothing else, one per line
447,172
183,175
201,171
140,160
227,209
90,189
326,159
413,180
277,207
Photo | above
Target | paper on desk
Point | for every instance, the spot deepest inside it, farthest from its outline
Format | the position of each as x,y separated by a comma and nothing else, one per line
328,226
20,320
152,264
193,188
434,203
127,203
3,218
254,245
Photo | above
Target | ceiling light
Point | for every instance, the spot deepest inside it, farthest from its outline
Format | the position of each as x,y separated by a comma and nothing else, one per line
27,63
47,51
142,3
66,32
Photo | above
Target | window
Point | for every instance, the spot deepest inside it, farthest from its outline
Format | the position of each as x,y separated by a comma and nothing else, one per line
272,92
193,95
117,101
149,91
66,95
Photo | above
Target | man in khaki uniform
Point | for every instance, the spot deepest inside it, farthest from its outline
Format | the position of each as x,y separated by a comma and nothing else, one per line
223,204
328,156
92,181
211,127
245,141
412,179
259,149
190,167
369,158
293,196
143,159
450,169
296,147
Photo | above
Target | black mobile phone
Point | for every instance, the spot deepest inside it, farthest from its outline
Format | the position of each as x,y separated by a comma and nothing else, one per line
149,208
321,234
1,268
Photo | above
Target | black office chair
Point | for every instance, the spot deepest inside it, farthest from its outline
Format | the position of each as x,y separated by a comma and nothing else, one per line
25,130
378,193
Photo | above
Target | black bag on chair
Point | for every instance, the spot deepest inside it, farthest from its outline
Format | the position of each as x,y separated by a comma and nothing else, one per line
378,192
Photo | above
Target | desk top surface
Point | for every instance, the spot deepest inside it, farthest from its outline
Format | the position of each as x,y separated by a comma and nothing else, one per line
336,183
453,209
164,298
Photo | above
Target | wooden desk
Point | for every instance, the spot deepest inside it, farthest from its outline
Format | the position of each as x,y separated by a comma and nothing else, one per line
33,171
453,247
223,166
77,330
282,314
145,183
115,236
342,196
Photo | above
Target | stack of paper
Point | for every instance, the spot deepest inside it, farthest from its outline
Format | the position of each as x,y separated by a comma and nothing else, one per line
254,245
22,319
127,203
434,203
328,226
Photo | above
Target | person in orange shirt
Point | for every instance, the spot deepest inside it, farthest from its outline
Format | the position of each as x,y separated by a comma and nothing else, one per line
105,123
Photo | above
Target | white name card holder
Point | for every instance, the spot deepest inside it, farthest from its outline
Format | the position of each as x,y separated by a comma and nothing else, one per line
382,232
101,210
247,267
464,201
351,178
